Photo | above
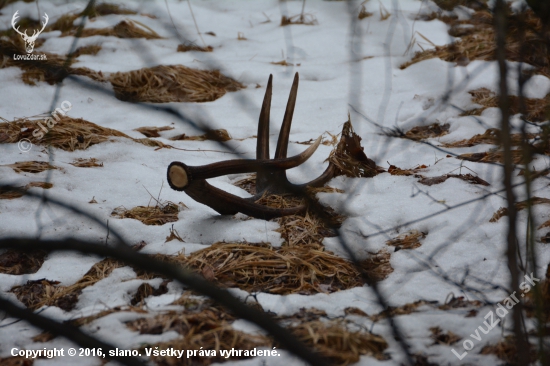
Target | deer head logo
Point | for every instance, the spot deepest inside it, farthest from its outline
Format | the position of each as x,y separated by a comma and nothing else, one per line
29,41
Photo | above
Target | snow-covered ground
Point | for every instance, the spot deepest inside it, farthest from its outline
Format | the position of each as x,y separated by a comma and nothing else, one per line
345,67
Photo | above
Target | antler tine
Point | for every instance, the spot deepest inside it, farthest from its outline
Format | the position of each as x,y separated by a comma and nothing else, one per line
262,145
282,142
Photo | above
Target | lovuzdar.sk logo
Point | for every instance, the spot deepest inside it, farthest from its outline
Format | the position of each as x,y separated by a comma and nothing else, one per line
29,40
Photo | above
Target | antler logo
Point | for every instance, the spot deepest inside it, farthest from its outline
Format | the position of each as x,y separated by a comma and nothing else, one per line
29,41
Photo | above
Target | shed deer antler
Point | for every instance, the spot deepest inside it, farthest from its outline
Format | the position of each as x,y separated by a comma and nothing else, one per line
29,41
271,173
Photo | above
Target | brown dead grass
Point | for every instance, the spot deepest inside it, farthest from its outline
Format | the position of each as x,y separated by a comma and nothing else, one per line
526,41
506,350
393,311
153,131
31,166
425,132
491,137
337,343
66,21
53,70
469,178
86,163
171,83
536,109
160,214
393,170
8,194
186,47
492,157
503,211
408,240
145,290
43,292
125,29
17,263
439,337
377,267
87,50
212,135
284,270
68,133
305,19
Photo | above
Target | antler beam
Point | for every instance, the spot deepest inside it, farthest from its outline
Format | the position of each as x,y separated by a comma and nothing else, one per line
271,173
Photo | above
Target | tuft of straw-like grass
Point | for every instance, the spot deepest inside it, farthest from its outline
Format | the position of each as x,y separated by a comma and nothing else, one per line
284,270
9,194
86,163
408,240
304,18
31,166
159,214
211,134
171,83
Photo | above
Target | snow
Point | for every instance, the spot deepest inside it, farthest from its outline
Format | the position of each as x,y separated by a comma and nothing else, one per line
334,80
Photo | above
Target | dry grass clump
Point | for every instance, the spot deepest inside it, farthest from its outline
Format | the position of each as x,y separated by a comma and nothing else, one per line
305,19
17,263
31,166
145,290
506,351
491,137
393,170
68,133
17,192
492,157
171,83
459,302
377,267
35,294
418,133
160,214
393,311
124,29
503,211
87,50
202,326
535,109
53,70
469,178
153,131
526,40
190,46
211,134
65,23
43,292
307,229
86,163
408,240
439,337
349,158
338,344
284,270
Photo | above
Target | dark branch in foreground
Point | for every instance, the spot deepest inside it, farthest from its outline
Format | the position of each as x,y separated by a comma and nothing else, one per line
184,276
